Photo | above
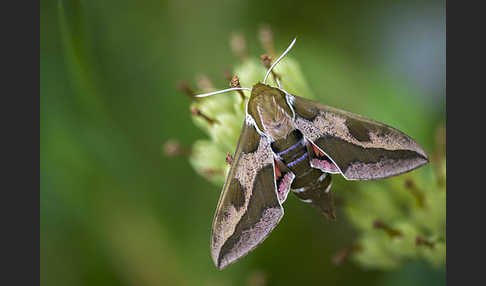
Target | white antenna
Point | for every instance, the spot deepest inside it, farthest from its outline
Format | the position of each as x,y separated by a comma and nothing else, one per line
276,62
222,91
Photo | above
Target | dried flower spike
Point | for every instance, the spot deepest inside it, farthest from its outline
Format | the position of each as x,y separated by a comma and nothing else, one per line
196,112
422,241
416,192
390,231
266,38
235,83
345,254
204,83
267,63
183,86
173,148
238,45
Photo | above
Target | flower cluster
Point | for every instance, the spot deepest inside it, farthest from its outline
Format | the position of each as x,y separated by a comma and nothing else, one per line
401,218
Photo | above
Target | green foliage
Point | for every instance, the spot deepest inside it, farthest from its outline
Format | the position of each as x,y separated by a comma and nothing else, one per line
115,211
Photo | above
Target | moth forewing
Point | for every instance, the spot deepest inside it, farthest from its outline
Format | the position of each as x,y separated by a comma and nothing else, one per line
362,148
248,208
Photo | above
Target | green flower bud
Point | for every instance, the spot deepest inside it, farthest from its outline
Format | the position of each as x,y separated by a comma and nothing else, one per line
226,135
206,159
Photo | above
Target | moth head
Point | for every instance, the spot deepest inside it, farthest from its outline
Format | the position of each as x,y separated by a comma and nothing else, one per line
268,107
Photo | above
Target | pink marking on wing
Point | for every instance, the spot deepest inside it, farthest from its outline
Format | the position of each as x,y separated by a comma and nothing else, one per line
284,187
325,166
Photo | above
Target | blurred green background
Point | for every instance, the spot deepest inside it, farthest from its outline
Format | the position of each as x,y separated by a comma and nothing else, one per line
115,211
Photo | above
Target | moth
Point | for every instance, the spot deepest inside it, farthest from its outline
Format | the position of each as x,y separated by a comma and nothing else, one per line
292,144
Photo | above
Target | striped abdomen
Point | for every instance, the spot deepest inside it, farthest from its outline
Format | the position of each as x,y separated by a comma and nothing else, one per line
311,185
293,152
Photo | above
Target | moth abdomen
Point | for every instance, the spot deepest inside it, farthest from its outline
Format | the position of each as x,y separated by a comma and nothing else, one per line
311,185
317,193
292,152
283,146
291,149
297,160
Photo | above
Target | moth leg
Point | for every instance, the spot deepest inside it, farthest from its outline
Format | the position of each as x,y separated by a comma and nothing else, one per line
320,161
319,196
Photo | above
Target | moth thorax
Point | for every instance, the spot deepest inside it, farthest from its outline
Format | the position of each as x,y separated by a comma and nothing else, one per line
276,124
268,106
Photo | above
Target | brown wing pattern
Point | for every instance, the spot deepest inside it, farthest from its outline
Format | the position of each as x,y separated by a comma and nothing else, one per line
248,208
363,149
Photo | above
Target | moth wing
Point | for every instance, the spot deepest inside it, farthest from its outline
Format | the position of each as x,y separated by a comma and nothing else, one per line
361,148
248,208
